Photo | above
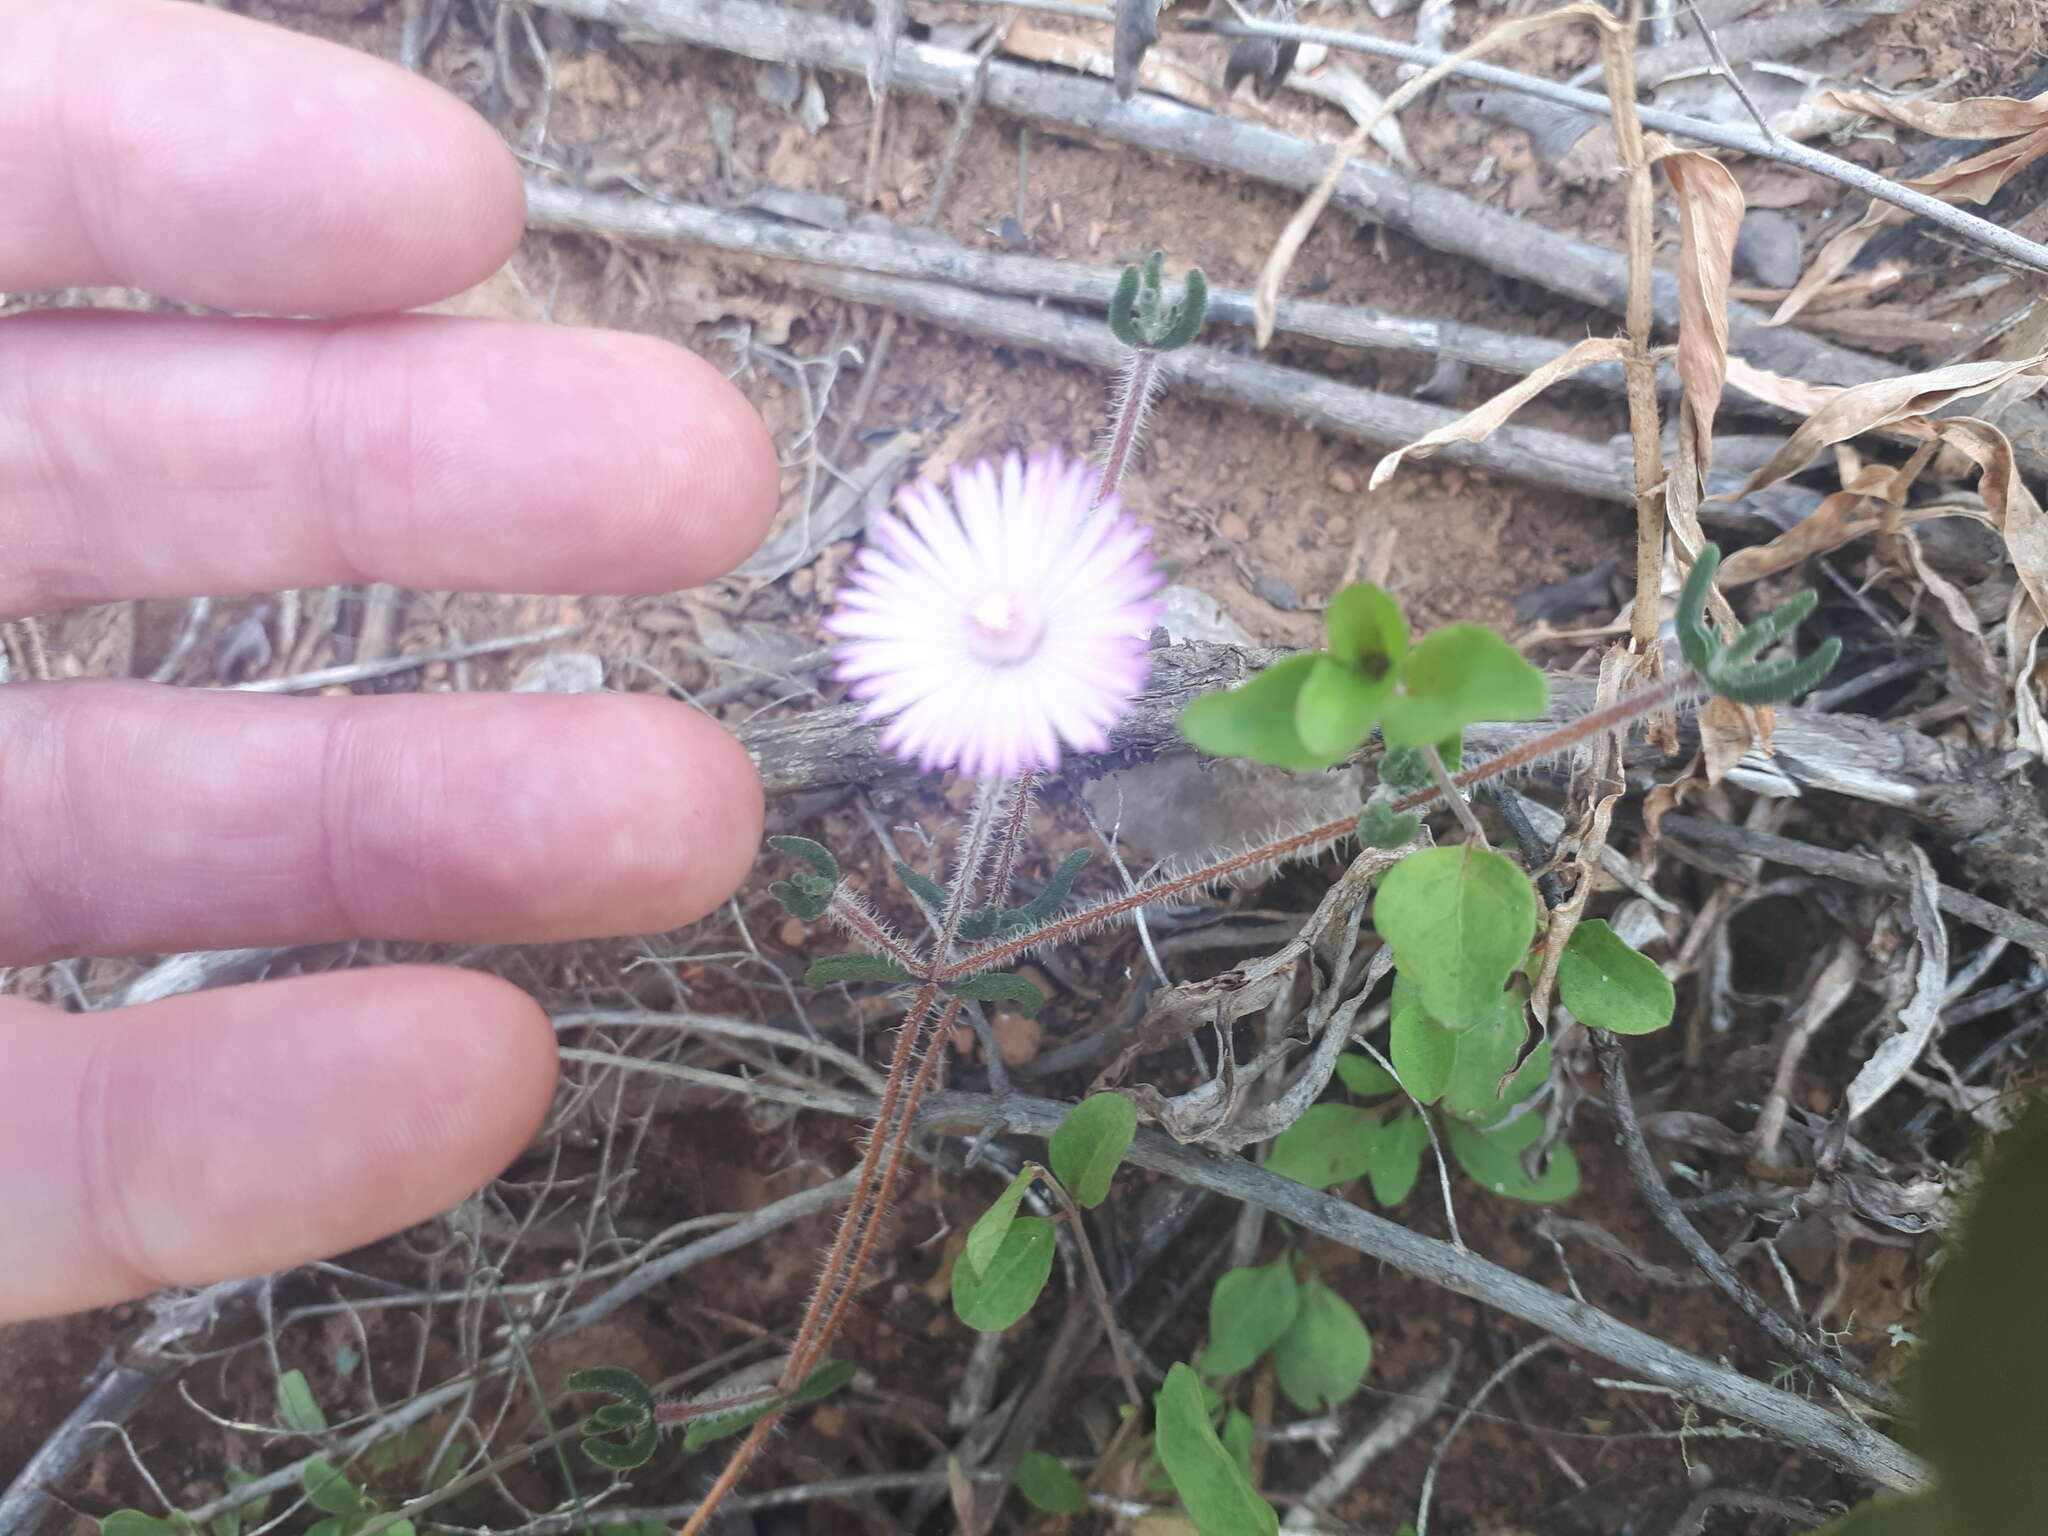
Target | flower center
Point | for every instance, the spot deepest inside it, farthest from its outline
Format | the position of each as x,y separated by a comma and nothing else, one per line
1001,629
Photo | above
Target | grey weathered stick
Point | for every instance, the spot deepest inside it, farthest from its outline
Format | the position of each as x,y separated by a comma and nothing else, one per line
612,216
357,672
1433,215
1793,1419
1982,233
1856,869
1629,1132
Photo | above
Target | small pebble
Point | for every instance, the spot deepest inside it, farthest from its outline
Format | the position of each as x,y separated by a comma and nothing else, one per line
792,933
1768,248
1233,527
1342,479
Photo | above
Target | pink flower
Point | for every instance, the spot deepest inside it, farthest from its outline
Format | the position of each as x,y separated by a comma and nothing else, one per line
992,628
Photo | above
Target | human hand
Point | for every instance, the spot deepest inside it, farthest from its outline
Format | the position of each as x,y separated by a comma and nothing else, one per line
205,157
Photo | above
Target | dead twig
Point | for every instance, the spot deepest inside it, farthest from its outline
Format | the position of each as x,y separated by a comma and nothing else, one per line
1629,1133
358,672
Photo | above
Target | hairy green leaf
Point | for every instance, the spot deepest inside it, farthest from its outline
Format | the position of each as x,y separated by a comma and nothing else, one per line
996,923
1010,1282
1329,1144
1460,921
1457,676
1256,718
1214,1489
618,1382
1048,1486
133,1522
807,906
1381,826
830,970
1696,641
995,987
1325,1353
1248,1311
1183,323
815,854
930,894
1608,985
1089,1144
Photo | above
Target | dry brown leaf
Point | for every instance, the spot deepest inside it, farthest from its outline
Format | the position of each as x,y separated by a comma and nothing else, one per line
1710,212
1266,293
1977,117
1971,672
2015,511
1728,733
2023,624
1794,395
1966,181
1481,421
1864,408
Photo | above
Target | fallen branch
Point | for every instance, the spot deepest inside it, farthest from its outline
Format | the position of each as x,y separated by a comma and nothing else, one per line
615,216
1792,1419
1982,233
1441,219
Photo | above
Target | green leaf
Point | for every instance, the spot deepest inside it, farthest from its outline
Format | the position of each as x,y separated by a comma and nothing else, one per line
1403,769
618,1382
1237,1438
1610,986
1256,718
1381,826
1010,1283
1329,1144
1337,707
1983,1414
807,906
334,1525
1089,1145
1487,1053
1048,1486
833,969
1423,1051
1493,1160
1397,1159
1458,676
133,1522
295,1405
1364,1076
1248,1311
826,1379
328,1488
1366,631
817,855
930,894
996,923
1325,1353
1217,1494
1920,1514
1023,995
985,1237
1460,921
400,1528
705,1429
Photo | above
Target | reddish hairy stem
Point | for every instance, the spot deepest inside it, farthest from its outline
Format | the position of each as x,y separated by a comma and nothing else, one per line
1130,416
847,911
1610,718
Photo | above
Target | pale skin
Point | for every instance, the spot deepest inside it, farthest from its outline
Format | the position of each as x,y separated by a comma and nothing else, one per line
205,157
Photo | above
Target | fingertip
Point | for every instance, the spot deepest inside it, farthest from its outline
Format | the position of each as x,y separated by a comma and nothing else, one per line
711,476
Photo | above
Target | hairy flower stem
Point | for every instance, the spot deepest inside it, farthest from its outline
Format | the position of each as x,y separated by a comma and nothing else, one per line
1613,717
920,1046
1135,389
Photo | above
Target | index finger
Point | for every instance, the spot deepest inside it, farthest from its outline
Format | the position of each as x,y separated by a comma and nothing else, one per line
209,158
